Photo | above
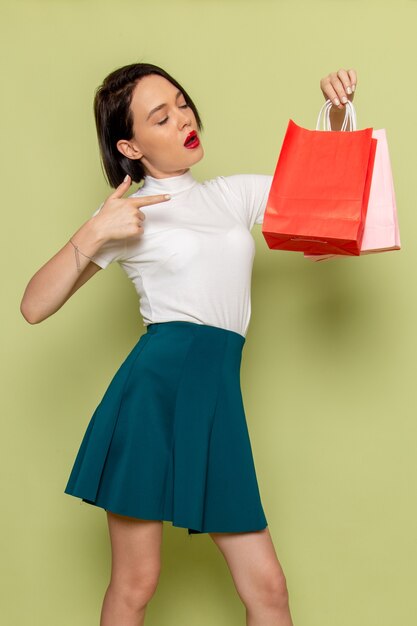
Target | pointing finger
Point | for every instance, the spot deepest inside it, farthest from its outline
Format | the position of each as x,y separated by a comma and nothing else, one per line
146,200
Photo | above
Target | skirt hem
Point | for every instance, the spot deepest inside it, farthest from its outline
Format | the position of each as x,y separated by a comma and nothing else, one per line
176,523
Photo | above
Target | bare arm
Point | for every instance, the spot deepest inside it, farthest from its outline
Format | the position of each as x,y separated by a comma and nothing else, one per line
60,277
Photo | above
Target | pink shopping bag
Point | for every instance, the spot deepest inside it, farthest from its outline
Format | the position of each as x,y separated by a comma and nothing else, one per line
381,230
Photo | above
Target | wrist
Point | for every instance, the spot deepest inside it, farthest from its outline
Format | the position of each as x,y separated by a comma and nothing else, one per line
89,237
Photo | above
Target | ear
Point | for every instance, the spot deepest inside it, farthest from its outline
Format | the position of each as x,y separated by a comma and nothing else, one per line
128,149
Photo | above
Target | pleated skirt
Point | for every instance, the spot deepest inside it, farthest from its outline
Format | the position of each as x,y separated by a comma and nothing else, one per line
169,440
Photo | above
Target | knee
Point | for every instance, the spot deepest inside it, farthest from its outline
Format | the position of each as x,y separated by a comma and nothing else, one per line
271,590
136,591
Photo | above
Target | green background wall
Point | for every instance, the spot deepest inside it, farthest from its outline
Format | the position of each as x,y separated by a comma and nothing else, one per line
328,373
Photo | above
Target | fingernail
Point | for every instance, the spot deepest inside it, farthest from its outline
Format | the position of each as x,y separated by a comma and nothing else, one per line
167,196
353,87
344,99
126,178
337,101
348,89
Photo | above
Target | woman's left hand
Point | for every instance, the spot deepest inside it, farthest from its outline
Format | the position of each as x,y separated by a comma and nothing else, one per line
339,87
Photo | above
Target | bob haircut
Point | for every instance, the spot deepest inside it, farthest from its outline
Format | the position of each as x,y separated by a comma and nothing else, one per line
114,118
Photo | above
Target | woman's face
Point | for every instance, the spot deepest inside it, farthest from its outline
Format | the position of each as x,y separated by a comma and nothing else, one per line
159,135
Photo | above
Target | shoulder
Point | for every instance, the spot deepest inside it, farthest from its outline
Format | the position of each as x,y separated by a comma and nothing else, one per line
246,194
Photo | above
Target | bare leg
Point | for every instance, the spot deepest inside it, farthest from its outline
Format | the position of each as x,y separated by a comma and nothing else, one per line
136,564
257,575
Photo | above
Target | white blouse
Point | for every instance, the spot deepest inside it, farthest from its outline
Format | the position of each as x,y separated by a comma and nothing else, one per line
194,260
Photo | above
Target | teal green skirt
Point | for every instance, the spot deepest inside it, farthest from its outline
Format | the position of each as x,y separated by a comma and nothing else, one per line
169,439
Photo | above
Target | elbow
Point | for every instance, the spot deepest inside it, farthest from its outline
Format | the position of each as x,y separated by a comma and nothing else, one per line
29,315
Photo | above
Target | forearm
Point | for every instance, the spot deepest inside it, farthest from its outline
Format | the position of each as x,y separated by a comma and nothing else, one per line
51,286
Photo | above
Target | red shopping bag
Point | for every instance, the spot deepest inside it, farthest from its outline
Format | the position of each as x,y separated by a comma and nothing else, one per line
381,232
320,189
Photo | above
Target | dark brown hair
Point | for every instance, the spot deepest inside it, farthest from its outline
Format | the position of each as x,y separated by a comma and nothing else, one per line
114,118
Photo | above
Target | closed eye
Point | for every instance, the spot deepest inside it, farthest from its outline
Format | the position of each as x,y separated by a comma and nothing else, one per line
164,121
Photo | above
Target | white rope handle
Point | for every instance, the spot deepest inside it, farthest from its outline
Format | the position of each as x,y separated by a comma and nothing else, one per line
350,116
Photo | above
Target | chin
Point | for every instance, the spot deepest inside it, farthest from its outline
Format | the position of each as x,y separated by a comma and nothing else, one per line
197,155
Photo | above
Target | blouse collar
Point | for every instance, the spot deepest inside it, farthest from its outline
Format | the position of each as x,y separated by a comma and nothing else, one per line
172,184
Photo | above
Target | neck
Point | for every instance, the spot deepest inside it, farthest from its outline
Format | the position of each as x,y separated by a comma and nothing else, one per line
168,184
159,175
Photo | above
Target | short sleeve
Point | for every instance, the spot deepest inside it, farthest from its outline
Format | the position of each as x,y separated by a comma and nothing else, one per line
112,250
252,192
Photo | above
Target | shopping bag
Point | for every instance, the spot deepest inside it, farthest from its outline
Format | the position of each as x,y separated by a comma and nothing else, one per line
381,231
320,189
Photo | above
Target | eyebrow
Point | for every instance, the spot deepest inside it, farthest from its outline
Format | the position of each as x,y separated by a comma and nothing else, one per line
161,106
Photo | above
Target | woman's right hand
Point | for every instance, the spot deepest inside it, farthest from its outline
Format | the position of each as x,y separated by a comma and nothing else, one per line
60,277
121,217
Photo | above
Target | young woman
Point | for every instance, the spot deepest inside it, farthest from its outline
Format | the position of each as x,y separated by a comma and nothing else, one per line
169,439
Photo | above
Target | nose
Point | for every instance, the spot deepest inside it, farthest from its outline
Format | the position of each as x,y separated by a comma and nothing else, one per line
184,118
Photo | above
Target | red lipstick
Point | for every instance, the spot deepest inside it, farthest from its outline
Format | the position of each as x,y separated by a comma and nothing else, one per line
192,140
